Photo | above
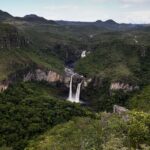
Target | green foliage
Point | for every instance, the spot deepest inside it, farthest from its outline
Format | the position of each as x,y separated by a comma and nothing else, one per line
144,72
141,101
80,133
114,143
98,97
114,60
17,53
109,132
101,98
27,110
5,148
139,128
6,29
20,59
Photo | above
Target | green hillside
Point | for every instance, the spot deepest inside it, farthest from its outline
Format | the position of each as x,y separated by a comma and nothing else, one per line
141,101
109,132
111,62
115,60
17,55
20,59
28,109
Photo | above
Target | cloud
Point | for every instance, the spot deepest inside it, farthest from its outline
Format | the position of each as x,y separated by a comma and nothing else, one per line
73,13
134,1
126,6
135,17
100,0
124,1
61,7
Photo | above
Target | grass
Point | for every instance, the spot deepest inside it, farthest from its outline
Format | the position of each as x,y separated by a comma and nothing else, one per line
141,100
112,60
19,59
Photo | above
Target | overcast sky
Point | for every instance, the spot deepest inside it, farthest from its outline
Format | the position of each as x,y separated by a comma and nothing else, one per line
127,11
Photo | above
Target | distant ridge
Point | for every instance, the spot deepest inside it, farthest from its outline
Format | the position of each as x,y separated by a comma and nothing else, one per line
110,21
4,15
33,18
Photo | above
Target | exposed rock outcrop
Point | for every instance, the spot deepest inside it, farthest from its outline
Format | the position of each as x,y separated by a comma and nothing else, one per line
86,82
3,86
68,73
122,111
39,75
45,75
36,75
119,110
54,77
122,86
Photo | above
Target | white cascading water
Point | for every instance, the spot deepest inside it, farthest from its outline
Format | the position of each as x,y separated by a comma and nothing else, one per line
70,98
77,96
74,98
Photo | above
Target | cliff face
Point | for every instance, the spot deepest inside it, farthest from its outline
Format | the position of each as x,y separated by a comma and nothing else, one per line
36,75
52,76
10,37
41,75
122,86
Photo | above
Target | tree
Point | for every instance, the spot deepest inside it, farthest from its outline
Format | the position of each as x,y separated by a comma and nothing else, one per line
139,128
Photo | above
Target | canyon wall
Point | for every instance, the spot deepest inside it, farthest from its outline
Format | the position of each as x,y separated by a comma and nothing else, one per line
41,75
122,86
10,37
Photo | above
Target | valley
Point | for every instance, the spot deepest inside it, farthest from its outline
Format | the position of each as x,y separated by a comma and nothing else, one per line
60,80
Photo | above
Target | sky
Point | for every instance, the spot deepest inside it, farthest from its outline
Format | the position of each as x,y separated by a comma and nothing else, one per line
122,11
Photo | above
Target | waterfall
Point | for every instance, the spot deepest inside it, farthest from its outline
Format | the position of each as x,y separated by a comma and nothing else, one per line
70,89
76,97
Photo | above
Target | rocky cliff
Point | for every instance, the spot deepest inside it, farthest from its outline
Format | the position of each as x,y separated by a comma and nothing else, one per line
10,37
32,75
123,86
41,75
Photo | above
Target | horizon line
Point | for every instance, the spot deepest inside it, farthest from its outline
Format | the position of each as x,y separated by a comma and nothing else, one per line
82,21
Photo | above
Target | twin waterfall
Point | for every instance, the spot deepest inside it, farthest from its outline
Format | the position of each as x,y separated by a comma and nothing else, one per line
74,98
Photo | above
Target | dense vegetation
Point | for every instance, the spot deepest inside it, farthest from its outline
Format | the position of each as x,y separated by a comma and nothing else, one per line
100,98
18,54
112,62
141,100
107,132
28,109
116,60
